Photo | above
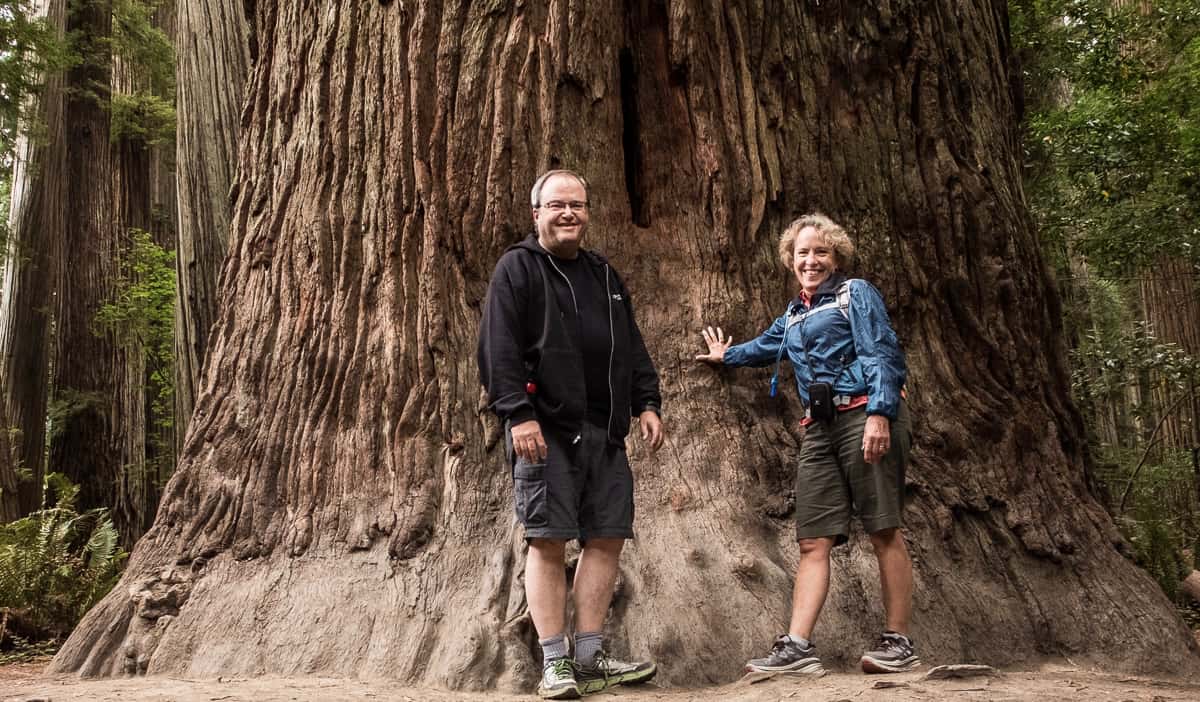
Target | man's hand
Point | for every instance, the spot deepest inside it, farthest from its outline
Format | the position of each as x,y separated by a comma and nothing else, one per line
652,429
877,438
528,442
717,343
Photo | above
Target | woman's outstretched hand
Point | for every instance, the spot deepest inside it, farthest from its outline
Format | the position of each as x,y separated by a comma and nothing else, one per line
717,342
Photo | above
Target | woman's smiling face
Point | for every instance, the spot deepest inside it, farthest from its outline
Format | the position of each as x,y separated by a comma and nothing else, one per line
812,260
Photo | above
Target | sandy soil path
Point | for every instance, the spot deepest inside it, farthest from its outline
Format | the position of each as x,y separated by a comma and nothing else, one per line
1052,683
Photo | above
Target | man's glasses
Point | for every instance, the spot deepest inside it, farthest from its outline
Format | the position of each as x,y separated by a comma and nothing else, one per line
557,206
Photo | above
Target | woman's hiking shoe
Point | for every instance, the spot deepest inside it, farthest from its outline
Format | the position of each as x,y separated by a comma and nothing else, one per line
558,680
787,656
606,671
893,653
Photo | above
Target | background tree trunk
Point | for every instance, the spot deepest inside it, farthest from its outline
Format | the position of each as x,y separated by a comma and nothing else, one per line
341,503
28,284
1171,304
161,424
212,50
97,420
144,190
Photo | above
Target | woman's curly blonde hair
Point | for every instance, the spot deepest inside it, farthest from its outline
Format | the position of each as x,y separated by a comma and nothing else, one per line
830,231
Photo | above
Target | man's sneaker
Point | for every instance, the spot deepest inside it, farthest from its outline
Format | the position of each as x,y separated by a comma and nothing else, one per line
606,671
893,653
787,656
558,680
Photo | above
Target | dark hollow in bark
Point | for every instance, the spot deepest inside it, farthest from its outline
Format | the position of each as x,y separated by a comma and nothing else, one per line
341,504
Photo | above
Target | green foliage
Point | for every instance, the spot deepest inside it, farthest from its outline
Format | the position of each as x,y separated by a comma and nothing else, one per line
1113,141
5,201
1112,166
146,114
66,404
29,49
142,313
142,116
1108,360
56,563
23,650
1161,503
136,40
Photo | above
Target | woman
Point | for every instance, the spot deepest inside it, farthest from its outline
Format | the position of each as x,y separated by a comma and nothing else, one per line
849,372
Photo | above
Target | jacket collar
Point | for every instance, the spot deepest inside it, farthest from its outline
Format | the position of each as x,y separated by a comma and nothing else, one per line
828,288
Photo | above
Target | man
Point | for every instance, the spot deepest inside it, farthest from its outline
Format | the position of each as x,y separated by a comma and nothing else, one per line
565,368
850,374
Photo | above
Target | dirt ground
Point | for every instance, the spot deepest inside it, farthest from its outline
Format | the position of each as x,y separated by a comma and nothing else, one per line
1053,683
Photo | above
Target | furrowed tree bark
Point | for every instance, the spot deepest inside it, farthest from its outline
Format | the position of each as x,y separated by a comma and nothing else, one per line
342,505
1171,304
97,427
161,426
132,191
212,50
144,192
28,284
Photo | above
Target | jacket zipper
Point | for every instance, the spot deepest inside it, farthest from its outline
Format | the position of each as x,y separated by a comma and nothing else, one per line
575,302
612,347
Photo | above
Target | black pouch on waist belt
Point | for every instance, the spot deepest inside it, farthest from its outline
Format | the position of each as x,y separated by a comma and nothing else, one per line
820,402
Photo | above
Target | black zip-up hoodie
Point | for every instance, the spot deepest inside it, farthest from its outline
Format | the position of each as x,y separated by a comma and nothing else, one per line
530,333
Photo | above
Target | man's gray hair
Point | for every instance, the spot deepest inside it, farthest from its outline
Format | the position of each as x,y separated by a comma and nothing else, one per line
535,195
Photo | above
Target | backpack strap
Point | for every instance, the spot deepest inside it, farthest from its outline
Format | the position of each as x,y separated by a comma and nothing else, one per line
843,298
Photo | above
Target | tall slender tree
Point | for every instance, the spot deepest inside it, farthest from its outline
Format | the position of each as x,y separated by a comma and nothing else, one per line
141,105
97,426
28,283
341,504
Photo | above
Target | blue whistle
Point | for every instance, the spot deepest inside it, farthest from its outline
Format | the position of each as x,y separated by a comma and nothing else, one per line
774,378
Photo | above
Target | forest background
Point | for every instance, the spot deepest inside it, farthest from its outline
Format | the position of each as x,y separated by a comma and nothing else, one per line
100,356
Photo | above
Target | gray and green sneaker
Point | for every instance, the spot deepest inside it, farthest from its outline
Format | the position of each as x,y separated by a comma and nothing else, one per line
787,656
558,680
893,653
605,672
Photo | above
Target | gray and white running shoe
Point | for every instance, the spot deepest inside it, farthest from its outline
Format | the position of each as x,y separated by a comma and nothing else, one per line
606,671
558,680
787,656
893,653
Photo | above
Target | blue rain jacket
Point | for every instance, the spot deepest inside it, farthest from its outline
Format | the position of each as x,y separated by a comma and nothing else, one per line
856,351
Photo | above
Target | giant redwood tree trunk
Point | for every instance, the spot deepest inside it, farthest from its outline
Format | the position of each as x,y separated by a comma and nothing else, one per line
342,506
97,423
212,63
28,281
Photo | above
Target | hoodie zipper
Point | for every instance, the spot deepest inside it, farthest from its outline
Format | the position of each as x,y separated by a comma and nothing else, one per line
612,347
575,302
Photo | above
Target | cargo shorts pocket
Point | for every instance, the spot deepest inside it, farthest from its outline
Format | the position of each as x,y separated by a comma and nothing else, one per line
530,495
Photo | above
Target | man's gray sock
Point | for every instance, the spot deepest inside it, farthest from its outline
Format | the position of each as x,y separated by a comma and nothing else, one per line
802,643
554,647
587,643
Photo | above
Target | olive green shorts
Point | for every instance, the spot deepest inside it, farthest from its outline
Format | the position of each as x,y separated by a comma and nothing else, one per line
833,481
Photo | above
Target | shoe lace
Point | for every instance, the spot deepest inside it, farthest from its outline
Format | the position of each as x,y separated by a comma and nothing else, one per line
780,644
561,667
890,643
601,663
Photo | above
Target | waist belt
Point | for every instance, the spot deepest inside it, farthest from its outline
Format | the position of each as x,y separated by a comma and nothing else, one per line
838,401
